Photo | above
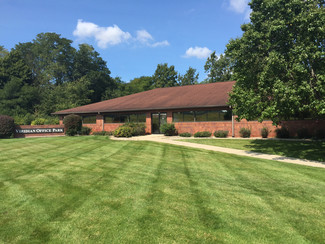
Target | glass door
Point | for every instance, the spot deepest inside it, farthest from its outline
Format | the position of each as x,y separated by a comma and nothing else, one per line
157,119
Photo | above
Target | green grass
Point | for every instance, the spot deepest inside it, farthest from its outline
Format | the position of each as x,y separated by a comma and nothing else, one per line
312,150
92,189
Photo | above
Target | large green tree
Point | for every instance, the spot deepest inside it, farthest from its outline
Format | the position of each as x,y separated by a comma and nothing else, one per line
218,68
189,78
164,76
279,62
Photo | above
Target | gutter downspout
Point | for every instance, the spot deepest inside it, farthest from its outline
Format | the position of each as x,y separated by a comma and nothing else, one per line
232,124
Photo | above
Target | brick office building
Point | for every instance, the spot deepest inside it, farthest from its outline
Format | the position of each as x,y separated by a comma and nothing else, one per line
191,108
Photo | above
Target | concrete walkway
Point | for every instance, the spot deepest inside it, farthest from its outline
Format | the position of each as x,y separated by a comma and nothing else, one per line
173,141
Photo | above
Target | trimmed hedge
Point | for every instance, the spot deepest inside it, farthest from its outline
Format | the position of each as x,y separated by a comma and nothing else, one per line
265,132
185,134
245,132
72,124
85,131
203,134
168,129
221,133
102,133
7,126
282,132
138,129
123,131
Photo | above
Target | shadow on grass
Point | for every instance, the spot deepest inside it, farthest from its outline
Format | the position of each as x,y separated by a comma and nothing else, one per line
312,150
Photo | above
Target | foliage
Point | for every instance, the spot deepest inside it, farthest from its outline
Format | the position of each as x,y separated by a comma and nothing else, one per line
24,119
189,78
185,134
265,132
85,131
138,129
203,134
72,124
3,52
38,121
218,68
49,74
282,132
279,62
303,133
221,133
164,76
123,131
245,132
168,129
7,126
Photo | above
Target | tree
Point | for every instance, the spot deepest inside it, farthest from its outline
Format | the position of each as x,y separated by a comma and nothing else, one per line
3,52
190,78
218,68
279,62
143,83
164,76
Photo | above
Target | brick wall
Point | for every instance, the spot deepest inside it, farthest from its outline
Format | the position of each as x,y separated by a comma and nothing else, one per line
22,127
193,127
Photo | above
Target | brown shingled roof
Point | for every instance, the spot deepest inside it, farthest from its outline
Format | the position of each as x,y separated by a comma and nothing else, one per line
180,97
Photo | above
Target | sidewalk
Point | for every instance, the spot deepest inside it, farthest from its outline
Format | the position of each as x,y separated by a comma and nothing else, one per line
172,140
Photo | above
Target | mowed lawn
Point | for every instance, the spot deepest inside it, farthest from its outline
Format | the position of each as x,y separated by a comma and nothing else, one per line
92,189
303,149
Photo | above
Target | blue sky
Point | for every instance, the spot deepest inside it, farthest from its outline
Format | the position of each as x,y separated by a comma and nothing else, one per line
131,36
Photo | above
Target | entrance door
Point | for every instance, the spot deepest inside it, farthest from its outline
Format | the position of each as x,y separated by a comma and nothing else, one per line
157,119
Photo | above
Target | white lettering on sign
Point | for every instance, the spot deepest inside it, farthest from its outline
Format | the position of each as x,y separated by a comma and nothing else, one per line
39,130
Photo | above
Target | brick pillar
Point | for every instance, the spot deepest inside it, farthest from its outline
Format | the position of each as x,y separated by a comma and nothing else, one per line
61,120
148,122
169,117
99,122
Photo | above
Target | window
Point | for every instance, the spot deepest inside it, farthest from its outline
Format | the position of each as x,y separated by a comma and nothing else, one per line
201,116
124,118
177,117
188,116
89,119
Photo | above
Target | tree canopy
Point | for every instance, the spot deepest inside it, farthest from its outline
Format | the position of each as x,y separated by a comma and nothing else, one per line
189,78
164,76
218,68
279,62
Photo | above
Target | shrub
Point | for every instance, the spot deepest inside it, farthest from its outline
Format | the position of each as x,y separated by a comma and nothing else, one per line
85,131
265,132
203,134
319,134
245,132
221,133
185,134
7,126
123,131
39,121
303,133
168,129
52,121
24,120
138,129
282,132
72,124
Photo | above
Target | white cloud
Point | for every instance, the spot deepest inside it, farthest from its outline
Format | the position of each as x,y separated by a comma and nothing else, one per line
160,44
113,35
197,52
143,36
239,6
